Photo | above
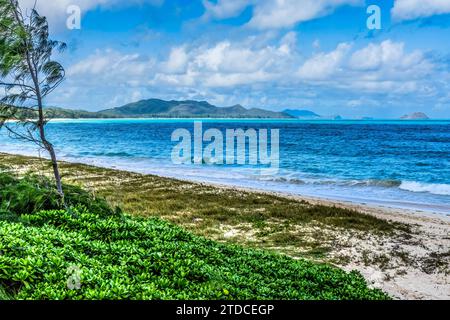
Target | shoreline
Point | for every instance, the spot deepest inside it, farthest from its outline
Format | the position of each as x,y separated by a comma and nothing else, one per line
364,204
301,120
412,208
406,264
364,207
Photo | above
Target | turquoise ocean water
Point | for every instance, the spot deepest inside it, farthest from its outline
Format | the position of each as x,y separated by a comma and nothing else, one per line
403,164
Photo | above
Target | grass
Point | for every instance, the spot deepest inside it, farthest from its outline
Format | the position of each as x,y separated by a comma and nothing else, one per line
437,262
260,220
119,256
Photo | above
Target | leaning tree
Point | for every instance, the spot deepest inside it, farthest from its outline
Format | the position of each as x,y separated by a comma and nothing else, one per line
27,76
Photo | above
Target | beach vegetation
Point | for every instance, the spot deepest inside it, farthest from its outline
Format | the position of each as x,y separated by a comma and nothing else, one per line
119,256
33,193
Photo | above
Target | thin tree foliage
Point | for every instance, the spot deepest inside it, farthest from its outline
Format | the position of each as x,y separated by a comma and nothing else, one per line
27,76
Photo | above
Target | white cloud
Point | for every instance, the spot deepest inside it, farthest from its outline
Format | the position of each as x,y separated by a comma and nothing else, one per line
379,67
227,64
224,9
384,67
56,10
255,73
413,9
287,13
388,54
388,60
205,72
324,65
106,78
288,42
228,58
113,67
273,14
177,61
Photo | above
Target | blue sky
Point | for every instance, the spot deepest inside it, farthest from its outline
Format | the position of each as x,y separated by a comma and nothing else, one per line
274,54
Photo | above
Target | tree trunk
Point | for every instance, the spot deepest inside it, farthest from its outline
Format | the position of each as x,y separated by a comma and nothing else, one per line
56,173
49,147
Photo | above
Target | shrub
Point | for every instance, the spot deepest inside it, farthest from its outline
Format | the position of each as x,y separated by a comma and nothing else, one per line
36,193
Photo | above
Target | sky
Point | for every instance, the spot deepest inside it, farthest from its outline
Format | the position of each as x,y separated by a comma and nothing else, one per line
318,55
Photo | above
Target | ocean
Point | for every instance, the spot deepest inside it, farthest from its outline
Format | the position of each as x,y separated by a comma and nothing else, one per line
400,164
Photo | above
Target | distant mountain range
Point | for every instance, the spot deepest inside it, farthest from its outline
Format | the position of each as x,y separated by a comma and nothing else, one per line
155,108
186,109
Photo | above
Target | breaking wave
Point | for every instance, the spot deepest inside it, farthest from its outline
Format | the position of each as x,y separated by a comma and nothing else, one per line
343,183
433,188
411,186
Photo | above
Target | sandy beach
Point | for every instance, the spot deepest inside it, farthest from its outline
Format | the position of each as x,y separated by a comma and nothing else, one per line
413,264
403,276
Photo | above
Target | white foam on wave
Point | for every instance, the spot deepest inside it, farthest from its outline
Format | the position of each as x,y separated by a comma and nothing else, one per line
433,188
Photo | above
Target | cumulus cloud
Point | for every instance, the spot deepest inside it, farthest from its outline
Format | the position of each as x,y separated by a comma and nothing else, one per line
113,67
383,67
227,64
324,65
177,61
106,78
252,72
389,60
215,72
414,9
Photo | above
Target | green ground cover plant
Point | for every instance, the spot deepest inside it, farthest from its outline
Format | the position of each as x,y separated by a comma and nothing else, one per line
126,257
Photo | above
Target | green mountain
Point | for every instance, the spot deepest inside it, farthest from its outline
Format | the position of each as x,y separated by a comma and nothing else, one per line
155,108
61,113
51,113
